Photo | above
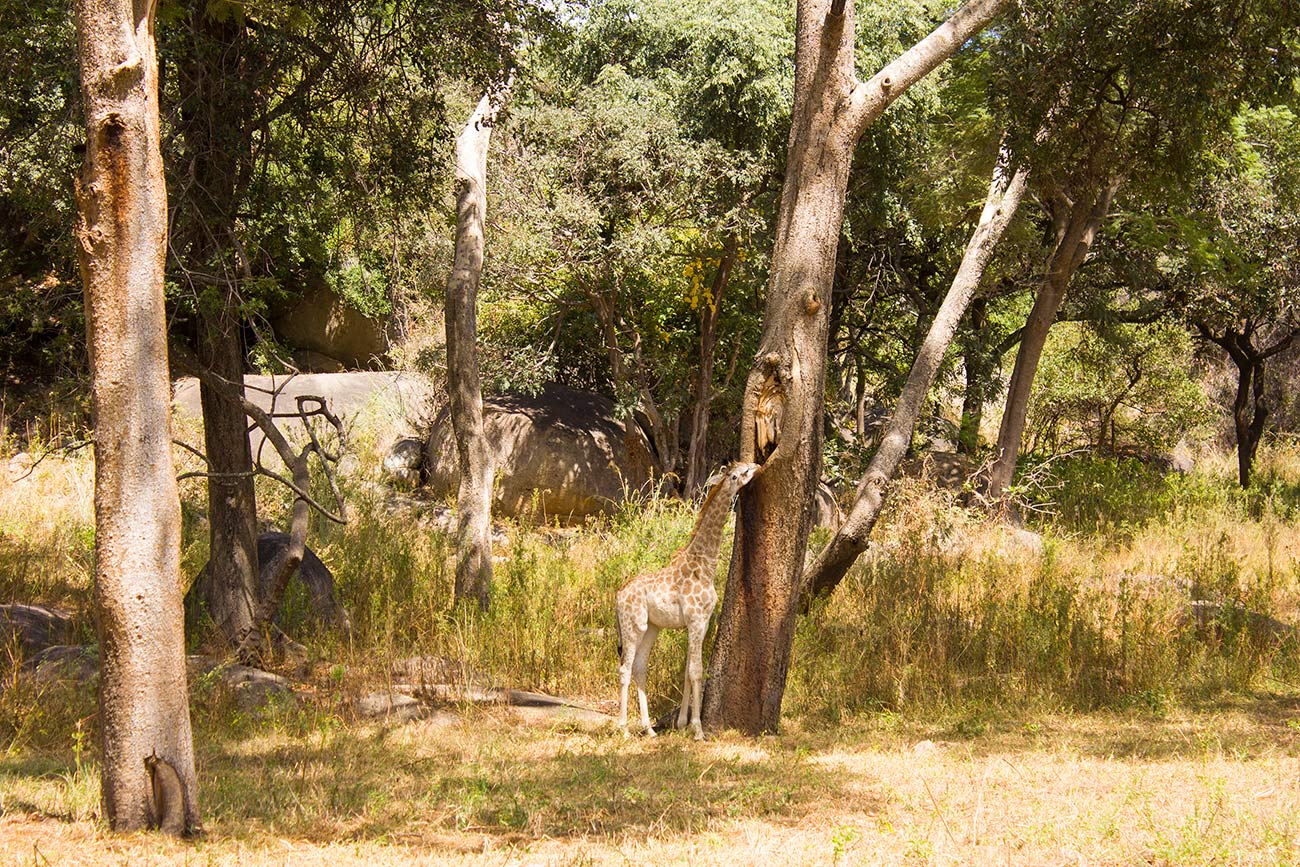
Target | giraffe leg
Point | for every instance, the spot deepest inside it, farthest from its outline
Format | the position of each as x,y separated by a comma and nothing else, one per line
639,666
695,673
631,641
684,712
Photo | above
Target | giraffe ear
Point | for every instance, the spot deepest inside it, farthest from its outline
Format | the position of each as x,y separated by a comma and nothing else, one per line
715,478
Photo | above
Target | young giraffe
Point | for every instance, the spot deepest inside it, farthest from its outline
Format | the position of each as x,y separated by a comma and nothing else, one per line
679,596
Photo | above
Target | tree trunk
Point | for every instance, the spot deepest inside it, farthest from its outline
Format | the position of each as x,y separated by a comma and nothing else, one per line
213,132
122,235
1078,227
851,539
230,587
781,423
697,455
474,497
976,370
1248,416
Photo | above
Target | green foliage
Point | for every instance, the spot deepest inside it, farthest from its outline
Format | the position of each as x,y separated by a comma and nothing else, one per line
1116,388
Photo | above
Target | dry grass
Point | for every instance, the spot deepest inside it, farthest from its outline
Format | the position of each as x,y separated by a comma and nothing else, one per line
1220,788
962,698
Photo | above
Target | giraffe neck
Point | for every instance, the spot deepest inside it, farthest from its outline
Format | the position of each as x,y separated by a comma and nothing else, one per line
707,537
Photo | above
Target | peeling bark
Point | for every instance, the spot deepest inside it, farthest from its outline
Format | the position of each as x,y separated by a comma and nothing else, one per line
122,235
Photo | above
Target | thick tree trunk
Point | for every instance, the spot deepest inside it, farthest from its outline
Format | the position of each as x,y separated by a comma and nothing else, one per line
781,422
122,235
1078,227
474,497
976,374
230,587
851,539
697,457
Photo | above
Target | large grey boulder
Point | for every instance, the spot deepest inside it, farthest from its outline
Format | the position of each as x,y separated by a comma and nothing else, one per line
560,455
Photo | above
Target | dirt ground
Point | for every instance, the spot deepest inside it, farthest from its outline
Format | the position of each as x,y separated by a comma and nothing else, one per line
1219,786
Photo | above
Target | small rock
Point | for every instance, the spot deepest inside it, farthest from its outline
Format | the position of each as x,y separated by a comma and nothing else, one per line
925,749
254,688
563,713
391,706
403,462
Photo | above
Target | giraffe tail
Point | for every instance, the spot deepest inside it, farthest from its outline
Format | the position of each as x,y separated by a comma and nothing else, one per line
618,631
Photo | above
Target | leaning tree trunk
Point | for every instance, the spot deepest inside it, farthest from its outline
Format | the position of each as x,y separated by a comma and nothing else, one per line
976,373
474,454
781,420
122,234
697,457
1079,228
851,538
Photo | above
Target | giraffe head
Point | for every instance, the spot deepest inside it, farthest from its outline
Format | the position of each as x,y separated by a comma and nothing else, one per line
732,477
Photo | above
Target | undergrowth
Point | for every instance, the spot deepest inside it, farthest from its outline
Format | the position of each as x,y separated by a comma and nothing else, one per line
947,614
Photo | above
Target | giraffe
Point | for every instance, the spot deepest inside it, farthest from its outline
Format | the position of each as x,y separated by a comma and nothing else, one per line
679,596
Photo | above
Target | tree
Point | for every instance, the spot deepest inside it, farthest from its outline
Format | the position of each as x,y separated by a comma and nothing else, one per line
474,454
781,422
637,173
1168,79
302,130
1237,263
850,540
122,234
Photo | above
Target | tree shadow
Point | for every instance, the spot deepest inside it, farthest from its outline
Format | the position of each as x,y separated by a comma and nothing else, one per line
516,786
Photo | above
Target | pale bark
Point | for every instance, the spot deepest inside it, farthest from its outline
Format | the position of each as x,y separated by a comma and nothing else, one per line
851,539
781,422
474,496
1077,227
122,235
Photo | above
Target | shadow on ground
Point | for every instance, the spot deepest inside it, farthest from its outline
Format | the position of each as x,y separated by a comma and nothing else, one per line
495,780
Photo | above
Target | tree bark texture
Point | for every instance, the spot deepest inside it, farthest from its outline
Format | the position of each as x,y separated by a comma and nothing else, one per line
474,496
122,244
230,587
1078,222
781,424
213,131
850,540
697,454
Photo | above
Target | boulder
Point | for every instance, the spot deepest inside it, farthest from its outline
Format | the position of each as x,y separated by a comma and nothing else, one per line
33,627
312,572
394,393
329,334
67,662
560,455
828,513
403,461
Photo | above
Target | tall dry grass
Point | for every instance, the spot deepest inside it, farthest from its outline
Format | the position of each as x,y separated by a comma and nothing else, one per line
946,614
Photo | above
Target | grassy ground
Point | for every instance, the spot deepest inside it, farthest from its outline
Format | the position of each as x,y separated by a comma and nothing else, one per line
1218,787
969,695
